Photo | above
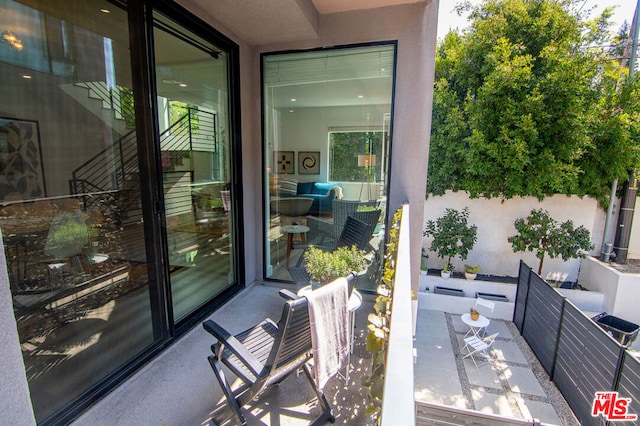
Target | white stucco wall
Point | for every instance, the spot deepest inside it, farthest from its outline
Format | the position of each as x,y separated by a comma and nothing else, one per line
494,219
620,290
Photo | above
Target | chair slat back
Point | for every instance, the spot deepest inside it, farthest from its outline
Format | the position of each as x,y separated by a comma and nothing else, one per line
487,305
355,232
343,209
294,339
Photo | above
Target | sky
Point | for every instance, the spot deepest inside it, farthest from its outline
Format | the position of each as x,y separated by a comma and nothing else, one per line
448,19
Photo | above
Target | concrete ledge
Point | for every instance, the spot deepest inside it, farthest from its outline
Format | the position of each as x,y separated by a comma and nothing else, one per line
461,305
470,288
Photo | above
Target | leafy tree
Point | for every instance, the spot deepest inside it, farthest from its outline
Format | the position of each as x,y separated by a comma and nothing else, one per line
524,106
344,150
452,235
542,234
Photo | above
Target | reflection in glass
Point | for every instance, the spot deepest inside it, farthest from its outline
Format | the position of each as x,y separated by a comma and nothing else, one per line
191,77
70,210
331,106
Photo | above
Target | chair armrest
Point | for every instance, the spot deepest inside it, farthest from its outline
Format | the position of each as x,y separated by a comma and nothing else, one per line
238,349
287,294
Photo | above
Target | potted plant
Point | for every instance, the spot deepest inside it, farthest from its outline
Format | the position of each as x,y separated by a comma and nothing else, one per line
447,270
474,314
326,266
543,235
470,272
424,262
452,236
67,237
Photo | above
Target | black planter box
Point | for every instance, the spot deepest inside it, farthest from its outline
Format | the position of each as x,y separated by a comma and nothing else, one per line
449,291
492,296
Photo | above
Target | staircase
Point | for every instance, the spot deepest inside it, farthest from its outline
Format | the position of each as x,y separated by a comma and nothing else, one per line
113,172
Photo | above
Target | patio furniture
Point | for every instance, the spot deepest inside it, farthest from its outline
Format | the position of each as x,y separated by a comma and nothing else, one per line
327,232
265,355
484,307
291,209
292,230
475,326
475,346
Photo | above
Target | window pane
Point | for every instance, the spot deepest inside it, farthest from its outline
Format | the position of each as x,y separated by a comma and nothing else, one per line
327,117
193,99
70,210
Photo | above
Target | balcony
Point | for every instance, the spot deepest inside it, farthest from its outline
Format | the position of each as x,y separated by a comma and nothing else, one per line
178,387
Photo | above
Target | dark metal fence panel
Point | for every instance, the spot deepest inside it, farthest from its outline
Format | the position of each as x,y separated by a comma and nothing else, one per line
587,362
629,386
542,320
521,295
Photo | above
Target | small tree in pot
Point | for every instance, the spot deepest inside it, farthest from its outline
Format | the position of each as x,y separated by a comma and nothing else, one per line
452,235
542,234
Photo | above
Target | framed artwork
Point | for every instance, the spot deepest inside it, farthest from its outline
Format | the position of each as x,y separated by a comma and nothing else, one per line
21,169
283,162
309,162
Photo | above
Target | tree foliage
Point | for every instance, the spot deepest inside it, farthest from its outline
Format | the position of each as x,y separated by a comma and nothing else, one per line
541,234
452,235
524,106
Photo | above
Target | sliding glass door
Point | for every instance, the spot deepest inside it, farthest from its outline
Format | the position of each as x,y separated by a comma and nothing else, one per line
118,225
70,193
193,115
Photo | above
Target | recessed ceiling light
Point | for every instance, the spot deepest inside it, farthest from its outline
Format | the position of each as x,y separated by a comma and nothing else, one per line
182,84
26,76
290,110
103,10
293,99
360,96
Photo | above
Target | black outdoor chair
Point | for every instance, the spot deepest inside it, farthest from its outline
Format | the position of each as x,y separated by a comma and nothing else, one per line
265,355
355,233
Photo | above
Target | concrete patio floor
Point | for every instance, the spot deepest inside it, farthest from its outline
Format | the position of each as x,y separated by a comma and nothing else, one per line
179,388
513,384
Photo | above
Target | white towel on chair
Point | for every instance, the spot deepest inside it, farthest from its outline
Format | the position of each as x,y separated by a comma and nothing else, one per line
329,329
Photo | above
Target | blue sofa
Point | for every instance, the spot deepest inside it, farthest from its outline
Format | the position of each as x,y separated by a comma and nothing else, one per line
322,193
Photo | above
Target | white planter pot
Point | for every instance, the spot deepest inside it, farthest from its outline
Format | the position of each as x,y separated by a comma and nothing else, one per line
469,276
445,275
424,273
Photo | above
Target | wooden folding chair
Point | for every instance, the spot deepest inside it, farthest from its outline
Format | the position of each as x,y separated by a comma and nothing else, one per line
265,355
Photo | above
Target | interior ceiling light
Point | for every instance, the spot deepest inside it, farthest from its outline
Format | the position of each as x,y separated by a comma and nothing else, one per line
14,42
26,76
360,96
293,99
182,84
103,10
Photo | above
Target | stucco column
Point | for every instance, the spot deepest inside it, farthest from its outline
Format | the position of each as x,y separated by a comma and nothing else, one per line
412,123
15,402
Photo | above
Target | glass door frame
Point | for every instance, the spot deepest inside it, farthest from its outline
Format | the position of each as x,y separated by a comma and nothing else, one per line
143,67
387,127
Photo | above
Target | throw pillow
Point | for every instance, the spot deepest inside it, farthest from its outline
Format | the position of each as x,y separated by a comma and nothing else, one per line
288,186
